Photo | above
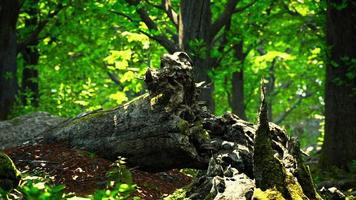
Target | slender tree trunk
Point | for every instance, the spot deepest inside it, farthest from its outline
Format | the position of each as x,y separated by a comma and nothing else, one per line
340,95
237,93
9,10
194,24
30,77
270,89
270,85
31,57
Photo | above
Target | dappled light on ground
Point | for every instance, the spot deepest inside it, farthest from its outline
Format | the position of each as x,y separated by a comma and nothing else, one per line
83,172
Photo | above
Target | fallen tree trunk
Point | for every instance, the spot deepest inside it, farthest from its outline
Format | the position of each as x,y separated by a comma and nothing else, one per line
154,131
169,128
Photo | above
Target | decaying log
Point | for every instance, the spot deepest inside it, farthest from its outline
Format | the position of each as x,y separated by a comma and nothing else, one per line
154,131
169,128
25,129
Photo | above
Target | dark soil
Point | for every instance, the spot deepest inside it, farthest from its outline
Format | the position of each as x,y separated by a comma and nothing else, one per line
83,173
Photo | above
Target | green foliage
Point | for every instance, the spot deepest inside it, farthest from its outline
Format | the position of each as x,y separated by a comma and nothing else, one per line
286,46
118,192
179,194
91,57
36,190
120,187
2,193
190,172
120,183
90,63
119,172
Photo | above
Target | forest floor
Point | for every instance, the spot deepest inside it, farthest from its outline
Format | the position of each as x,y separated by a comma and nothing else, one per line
82,172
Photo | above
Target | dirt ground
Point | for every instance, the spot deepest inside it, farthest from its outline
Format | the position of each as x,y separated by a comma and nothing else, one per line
83,173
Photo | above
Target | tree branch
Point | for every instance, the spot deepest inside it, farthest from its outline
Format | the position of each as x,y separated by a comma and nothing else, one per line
114,78
173,16
166,6
161,39
34,35
160,7
295,13
123,15
169,45
284,115
224,17
281,88
237,10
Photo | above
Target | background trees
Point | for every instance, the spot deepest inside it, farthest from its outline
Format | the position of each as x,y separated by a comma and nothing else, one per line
76,56
340,87
9,11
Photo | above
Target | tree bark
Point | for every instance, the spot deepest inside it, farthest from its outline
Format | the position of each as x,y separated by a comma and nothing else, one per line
194,25
155,131
30,77
9,10
340,107
237,94
29,83
270,88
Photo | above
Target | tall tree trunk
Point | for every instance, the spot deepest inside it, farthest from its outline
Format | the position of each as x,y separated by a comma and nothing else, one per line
237,93
194,24
30,77
270,85
340,95
270,88
31,57
9,10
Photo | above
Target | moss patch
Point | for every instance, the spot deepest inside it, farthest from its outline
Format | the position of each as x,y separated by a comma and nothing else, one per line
9,175
294,188
183,126
269,194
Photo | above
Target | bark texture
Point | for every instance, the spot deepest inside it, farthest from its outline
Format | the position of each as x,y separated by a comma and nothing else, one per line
197,34
9,10
237,101
154,131
31,55
195,22
340,95
26,129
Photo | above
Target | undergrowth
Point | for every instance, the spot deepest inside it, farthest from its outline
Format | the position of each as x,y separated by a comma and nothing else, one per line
120,186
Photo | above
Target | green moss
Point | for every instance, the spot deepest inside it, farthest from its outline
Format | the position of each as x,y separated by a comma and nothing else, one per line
179,194
9,175
294,188
183,126
87,117
155,100
269,194
198,130
210,196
